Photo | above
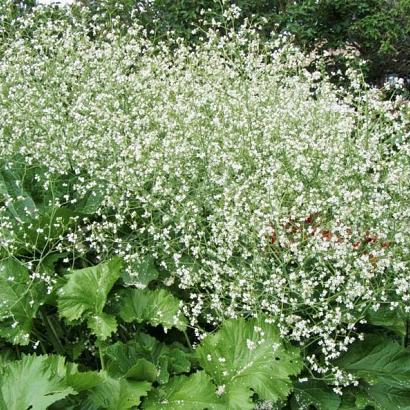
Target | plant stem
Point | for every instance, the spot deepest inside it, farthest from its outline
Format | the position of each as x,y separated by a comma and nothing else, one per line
102,363
187,340
51,333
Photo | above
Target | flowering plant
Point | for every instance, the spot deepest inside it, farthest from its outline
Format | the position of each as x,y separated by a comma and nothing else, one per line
161,190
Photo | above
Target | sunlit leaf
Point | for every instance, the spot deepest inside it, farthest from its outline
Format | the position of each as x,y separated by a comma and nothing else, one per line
34,382
194,392
117,394
85,294
249,354
157,307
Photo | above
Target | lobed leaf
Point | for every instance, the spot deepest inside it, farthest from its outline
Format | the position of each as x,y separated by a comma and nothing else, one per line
85,294
117,394
244,355
384,369
378,359
34,382
194,392
146,358
157,307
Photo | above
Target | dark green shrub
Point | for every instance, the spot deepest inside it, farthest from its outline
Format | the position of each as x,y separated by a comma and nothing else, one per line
379,29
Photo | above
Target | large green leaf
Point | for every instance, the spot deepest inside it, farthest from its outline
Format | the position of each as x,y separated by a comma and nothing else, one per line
102,325
383,367
145,357
238,398
245,355
378,359
379,397
34,382
385,397
394,320
317,393
81,381
117,394
85,294
157,307
20,299
194,392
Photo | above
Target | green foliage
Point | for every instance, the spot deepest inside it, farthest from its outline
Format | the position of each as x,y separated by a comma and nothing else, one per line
32,207
34,382
392,319
380,29
85,294
157,307
145,355
220,174
12,187
316,393
378,360
20,300
194,392
245,355
116,394
383,367
37,382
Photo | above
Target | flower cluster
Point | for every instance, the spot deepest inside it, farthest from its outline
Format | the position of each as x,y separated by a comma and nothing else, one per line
254,183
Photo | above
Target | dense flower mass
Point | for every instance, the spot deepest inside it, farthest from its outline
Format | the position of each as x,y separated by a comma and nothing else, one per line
250,181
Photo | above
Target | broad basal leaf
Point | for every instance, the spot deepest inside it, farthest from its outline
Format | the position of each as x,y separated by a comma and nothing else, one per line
81,381
385,397
194,392
384,369
238,398
245,355
117,394
146,358
378,397
394,320
317,393
19,301
34,382
378,359
142,370
157,307
85,294
102,325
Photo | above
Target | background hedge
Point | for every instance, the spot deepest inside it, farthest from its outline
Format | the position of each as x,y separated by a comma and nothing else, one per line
378,29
